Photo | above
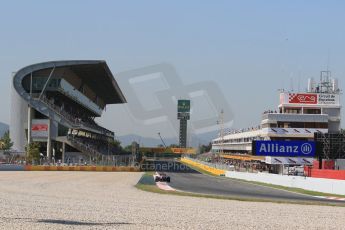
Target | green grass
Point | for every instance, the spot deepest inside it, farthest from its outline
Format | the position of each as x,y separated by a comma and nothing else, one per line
154,189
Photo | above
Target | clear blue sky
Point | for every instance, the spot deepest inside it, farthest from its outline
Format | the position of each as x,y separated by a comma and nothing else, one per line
250,48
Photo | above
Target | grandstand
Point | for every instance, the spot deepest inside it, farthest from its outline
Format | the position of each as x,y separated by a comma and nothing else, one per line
56,103
298,117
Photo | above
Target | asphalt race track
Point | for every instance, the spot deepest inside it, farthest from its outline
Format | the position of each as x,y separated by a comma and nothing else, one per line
199,183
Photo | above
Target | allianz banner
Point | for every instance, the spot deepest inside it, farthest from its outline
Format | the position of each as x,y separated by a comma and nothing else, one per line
284,148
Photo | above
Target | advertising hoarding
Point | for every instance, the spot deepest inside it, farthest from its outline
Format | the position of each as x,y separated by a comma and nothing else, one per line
309,98
183,106
289,160
328,99
302,98
183,150
185,116
39,128
284,148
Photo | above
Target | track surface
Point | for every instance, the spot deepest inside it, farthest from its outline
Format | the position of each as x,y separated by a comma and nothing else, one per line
199,183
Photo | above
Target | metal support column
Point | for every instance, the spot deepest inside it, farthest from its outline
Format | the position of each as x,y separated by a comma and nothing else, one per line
29,123
49,153
63,152
183,133
46,84
30,113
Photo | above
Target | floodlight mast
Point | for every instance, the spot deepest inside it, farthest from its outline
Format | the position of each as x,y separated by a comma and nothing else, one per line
222,131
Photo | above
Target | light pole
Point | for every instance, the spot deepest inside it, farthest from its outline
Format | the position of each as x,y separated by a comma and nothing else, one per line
108,154
221,133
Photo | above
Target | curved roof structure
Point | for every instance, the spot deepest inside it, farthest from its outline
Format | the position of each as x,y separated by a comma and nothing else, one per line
95,73
68,95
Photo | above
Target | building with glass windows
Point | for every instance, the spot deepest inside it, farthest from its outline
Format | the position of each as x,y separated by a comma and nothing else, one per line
56,103
298,116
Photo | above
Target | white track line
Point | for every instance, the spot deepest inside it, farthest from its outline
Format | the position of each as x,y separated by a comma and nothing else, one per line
164,186
331,198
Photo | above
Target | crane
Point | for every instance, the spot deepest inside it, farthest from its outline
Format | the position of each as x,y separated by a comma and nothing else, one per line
159,134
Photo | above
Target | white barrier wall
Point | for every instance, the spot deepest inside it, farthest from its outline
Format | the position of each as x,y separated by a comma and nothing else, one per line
307,183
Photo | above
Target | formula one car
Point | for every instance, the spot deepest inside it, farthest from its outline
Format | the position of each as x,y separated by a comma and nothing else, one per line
161,177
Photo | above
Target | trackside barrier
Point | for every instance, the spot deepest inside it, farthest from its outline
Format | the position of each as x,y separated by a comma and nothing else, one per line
330,174
82,168
308,183
11,167
214,171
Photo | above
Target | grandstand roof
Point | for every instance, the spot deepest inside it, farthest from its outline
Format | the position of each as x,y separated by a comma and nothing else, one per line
95,73
98,75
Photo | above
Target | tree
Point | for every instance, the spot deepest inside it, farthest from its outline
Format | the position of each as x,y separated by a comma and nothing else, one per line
205,148
116,147
6,141
128,148
115,143
33,151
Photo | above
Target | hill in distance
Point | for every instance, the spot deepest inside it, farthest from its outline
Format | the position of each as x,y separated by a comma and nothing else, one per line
197,140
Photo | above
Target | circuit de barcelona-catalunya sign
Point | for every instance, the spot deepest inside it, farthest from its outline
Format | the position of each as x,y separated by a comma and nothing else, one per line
284,148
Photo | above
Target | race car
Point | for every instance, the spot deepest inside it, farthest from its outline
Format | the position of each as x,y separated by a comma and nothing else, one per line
161,177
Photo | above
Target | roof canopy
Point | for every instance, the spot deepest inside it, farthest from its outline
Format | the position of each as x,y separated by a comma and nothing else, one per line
98,75
95,73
